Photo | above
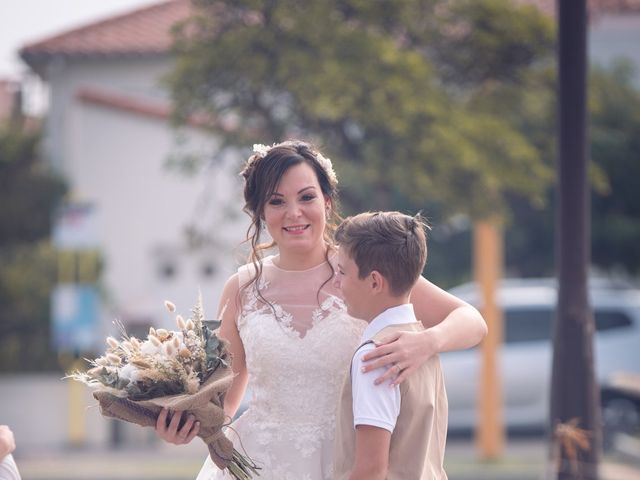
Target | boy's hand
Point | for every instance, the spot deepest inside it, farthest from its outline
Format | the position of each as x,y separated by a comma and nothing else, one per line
401,353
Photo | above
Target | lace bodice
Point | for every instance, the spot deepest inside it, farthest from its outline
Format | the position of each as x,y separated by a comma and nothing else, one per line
298,342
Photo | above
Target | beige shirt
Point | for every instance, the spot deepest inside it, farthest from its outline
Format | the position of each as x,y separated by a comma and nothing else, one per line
419,437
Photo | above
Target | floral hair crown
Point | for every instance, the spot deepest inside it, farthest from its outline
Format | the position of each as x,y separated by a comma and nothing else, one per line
261,151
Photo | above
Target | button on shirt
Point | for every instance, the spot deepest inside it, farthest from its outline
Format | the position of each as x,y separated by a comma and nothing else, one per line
377,405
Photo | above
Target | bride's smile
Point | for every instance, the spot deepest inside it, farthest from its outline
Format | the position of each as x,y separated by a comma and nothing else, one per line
296,229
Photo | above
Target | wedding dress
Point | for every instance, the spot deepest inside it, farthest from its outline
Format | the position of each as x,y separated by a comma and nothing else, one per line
298,347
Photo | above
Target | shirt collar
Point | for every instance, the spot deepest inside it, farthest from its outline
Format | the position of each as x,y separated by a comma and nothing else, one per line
391,316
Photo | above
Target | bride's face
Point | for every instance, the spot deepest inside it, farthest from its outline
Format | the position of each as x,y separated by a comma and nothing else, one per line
295,213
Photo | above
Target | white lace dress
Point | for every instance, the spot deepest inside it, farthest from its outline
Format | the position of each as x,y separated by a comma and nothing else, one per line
296,359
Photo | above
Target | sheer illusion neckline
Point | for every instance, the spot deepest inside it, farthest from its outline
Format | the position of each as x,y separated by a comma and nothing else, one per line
271,260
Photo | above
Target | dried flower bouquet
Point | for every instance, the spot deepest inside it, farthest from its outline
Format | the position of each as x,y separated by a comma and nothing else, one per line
185,370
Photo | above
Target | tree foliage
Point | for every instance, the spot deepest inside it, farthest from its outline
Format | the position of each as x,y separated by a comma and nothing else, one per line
27,189
27,276
490,41
440,106
370,83
615,148
614,122
28,194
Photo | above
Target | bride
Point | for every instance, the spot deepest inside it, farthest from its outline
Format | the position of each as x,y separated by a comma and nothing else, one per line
290,336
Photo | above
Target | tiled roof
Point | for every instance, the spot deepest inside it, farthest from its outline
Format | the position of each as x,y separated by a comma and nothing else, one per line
117,101
596,7
148,30
139,106
142,31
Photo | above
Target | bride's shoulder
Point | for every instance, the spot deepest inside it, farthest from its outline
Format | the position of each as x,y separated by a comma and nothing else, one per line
252,266
249,270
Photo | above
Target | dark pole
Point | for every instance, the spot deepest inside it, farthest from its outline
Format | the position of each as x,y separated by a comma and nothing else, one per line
575,417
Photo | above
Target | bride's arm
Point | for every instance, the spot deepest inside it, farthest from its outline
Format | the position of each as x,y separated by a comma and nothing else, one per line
450,324
227,312
229,331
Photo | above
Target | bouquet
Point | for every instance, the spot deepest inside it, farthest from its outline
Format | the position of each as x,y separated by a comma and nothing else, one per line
183,370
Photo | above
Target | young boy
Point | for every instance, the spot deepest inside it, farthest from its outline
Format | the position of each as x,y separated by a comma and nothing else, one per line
393,432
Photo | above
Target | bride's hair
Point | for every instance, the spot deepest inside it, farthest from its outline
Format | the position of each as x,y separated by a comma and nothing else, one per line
262,174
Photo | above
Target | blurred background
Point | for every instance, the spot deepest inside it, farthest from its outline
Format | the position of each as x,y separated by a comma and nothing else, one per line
123,125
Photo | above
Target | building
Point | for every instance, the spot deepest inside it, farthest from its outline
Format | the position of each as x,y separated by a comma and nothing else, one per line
108,132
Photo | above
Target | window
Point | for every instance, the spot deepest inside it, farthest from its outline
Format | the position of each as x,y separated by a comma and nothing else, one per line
166,261
611,319
167,270
527,325
208,270
536,324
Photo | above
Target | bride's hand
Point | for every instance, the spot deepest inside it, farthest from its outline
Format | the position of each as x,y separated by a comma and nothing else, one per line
171,433
401,353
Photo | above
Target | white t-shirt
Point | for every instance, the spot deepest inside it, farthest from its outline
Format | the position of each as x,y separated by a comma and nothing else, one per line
377,405
8,469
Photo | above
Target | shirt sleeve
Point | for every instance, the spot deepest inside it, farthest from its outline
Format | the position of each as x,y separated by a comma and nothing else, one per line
8,469
375,405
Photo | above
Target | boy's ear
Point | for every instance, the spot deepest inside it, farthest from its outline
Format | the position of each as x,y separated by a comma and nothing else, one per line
377,282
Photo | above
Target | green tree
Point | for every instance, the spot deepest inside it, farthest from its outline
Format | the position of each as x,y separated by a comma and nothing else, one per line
364,81
615,149
614,103
28,194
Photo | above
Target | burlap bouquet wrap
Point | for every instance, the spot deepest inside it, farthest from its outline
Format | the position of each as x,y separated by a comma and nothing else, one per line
206,405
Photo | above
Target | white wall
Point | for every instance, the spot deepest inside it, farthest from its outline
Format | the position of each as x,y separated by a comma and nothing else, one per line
36,408
138,77
116,161
39,409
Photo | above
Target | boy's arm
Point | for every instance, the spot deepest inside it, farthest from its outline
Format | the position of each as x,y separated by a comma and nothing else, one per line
372,453
375,411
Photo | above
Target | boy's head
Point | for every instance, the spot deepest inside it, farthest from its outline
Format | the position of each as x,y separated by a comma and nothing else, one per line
381,256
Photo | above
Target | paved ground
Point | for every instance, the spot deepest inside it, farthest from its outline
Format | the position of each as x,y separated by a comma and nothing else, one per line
524,459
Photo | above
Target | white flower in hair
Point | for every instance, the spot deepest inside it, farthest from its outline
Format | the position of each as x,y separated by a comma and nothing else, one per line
261,150
326,164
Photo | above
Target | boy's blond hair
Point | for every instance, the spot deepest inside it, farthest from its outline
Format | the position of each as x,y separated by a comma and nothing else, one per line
392,243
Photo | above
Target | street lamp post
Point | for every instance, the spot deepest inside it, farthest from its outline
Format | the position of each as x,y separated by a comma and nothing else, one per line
575,429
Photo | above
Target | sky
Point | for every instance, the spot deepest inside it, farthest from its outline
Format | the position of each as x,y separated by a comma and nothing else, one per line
25,21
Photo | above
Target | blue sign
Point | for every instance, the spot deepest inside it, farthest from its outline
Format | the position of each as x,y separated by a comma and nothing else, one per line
75,227
74,309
